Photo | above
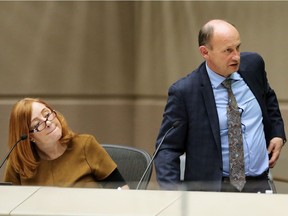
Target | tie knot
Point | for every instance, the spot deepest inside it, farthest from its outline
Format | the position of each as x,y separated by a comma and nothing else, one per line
227,83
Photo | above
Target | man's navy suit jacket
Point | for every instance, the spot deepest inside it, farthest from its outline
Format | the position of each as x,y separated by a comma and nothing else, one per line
191,102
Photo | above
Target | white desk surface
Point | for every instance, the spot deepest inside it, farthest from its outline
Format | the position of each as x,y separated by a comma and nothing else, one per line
12,196
47,201
225,204
69,201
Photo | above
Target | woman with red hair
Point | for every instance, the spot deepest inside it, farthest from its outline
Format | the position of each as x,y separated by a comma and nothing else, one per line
52,154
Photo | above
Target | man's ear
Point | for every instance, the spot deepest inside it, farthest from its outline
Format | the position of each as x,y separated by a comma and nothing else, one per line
204,51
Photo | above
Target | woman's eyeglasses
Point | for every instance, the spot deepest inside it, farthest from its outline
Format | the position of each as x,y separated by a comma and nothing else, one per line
42,125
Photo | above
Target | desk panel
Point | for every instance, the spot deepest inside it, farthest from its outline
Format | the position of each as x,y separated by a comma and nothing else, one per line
12,196
227,204
43,201
72,201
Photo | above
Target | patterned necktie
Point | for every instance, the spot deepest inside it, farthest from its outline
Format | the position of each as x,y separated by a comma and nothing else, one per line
236,154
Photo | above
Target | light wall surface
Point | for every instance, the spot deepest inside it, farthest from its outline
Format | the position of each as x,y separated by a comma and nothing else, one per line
107,65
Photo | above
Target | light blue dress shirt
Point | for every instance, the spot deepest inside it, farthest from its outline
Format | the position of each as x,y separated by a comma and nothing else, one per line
255,151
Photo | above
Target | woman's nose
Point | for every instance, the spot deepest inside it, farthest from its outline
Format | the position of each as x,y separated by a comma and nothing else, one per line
48,123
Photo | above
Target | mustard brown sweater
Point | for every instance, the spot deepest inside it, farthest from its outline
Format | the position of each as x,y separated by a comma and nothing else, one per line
84,164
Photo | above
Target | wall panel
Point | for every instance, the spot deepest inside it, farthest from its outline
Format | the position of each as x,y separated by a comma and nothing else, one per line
107,65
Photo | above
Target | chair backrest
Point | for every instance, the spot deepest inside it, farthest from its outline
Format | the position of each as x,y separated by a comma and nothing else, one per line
132,163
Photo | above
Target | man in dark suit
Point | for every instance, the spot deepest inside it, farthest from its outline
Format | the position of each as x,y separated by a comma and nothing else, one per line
198,103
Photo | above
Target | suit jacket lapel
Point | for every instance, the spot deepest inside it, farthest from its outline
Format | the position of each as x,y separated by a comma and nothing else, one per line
256,89
210,105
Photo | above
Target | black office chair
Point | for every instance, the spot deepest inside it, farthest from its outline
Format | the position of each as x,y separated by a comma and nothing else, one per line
132,163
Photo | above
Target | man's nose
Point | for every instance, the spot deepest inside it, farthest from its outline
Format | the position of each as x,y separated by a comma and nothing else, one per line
236,55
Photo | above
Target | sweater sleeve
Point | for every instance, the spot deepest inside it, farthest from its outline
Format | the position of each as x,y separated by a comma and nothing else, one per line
98,159
114,180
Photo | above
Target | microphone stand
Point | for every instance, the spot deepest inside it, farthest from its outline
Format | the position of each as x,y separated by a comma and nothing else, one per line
175,124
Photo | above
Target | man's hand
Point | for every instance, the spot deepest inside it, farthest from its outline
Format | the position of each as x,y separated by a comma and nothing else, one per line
274,148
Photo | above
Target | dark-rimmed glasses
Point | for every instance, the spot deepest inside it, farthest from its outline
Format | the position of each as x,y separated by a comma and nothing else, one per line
42,125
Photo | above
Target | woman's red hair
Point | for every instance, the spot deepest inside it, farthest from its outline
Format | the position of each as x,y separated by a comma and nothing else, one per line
24,158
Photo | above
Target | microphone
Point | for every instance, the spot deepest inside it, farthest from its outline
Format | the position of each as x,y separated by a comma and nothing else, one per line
175,124
23,137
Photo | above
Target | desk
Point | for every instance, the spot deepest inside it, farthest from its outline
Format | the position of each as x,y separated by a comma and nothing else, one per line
12,196
45,201
225,204
71,201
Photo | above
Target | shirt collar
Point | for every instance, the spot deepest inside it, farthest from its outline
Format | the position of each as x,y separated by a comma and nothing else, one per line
216,79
